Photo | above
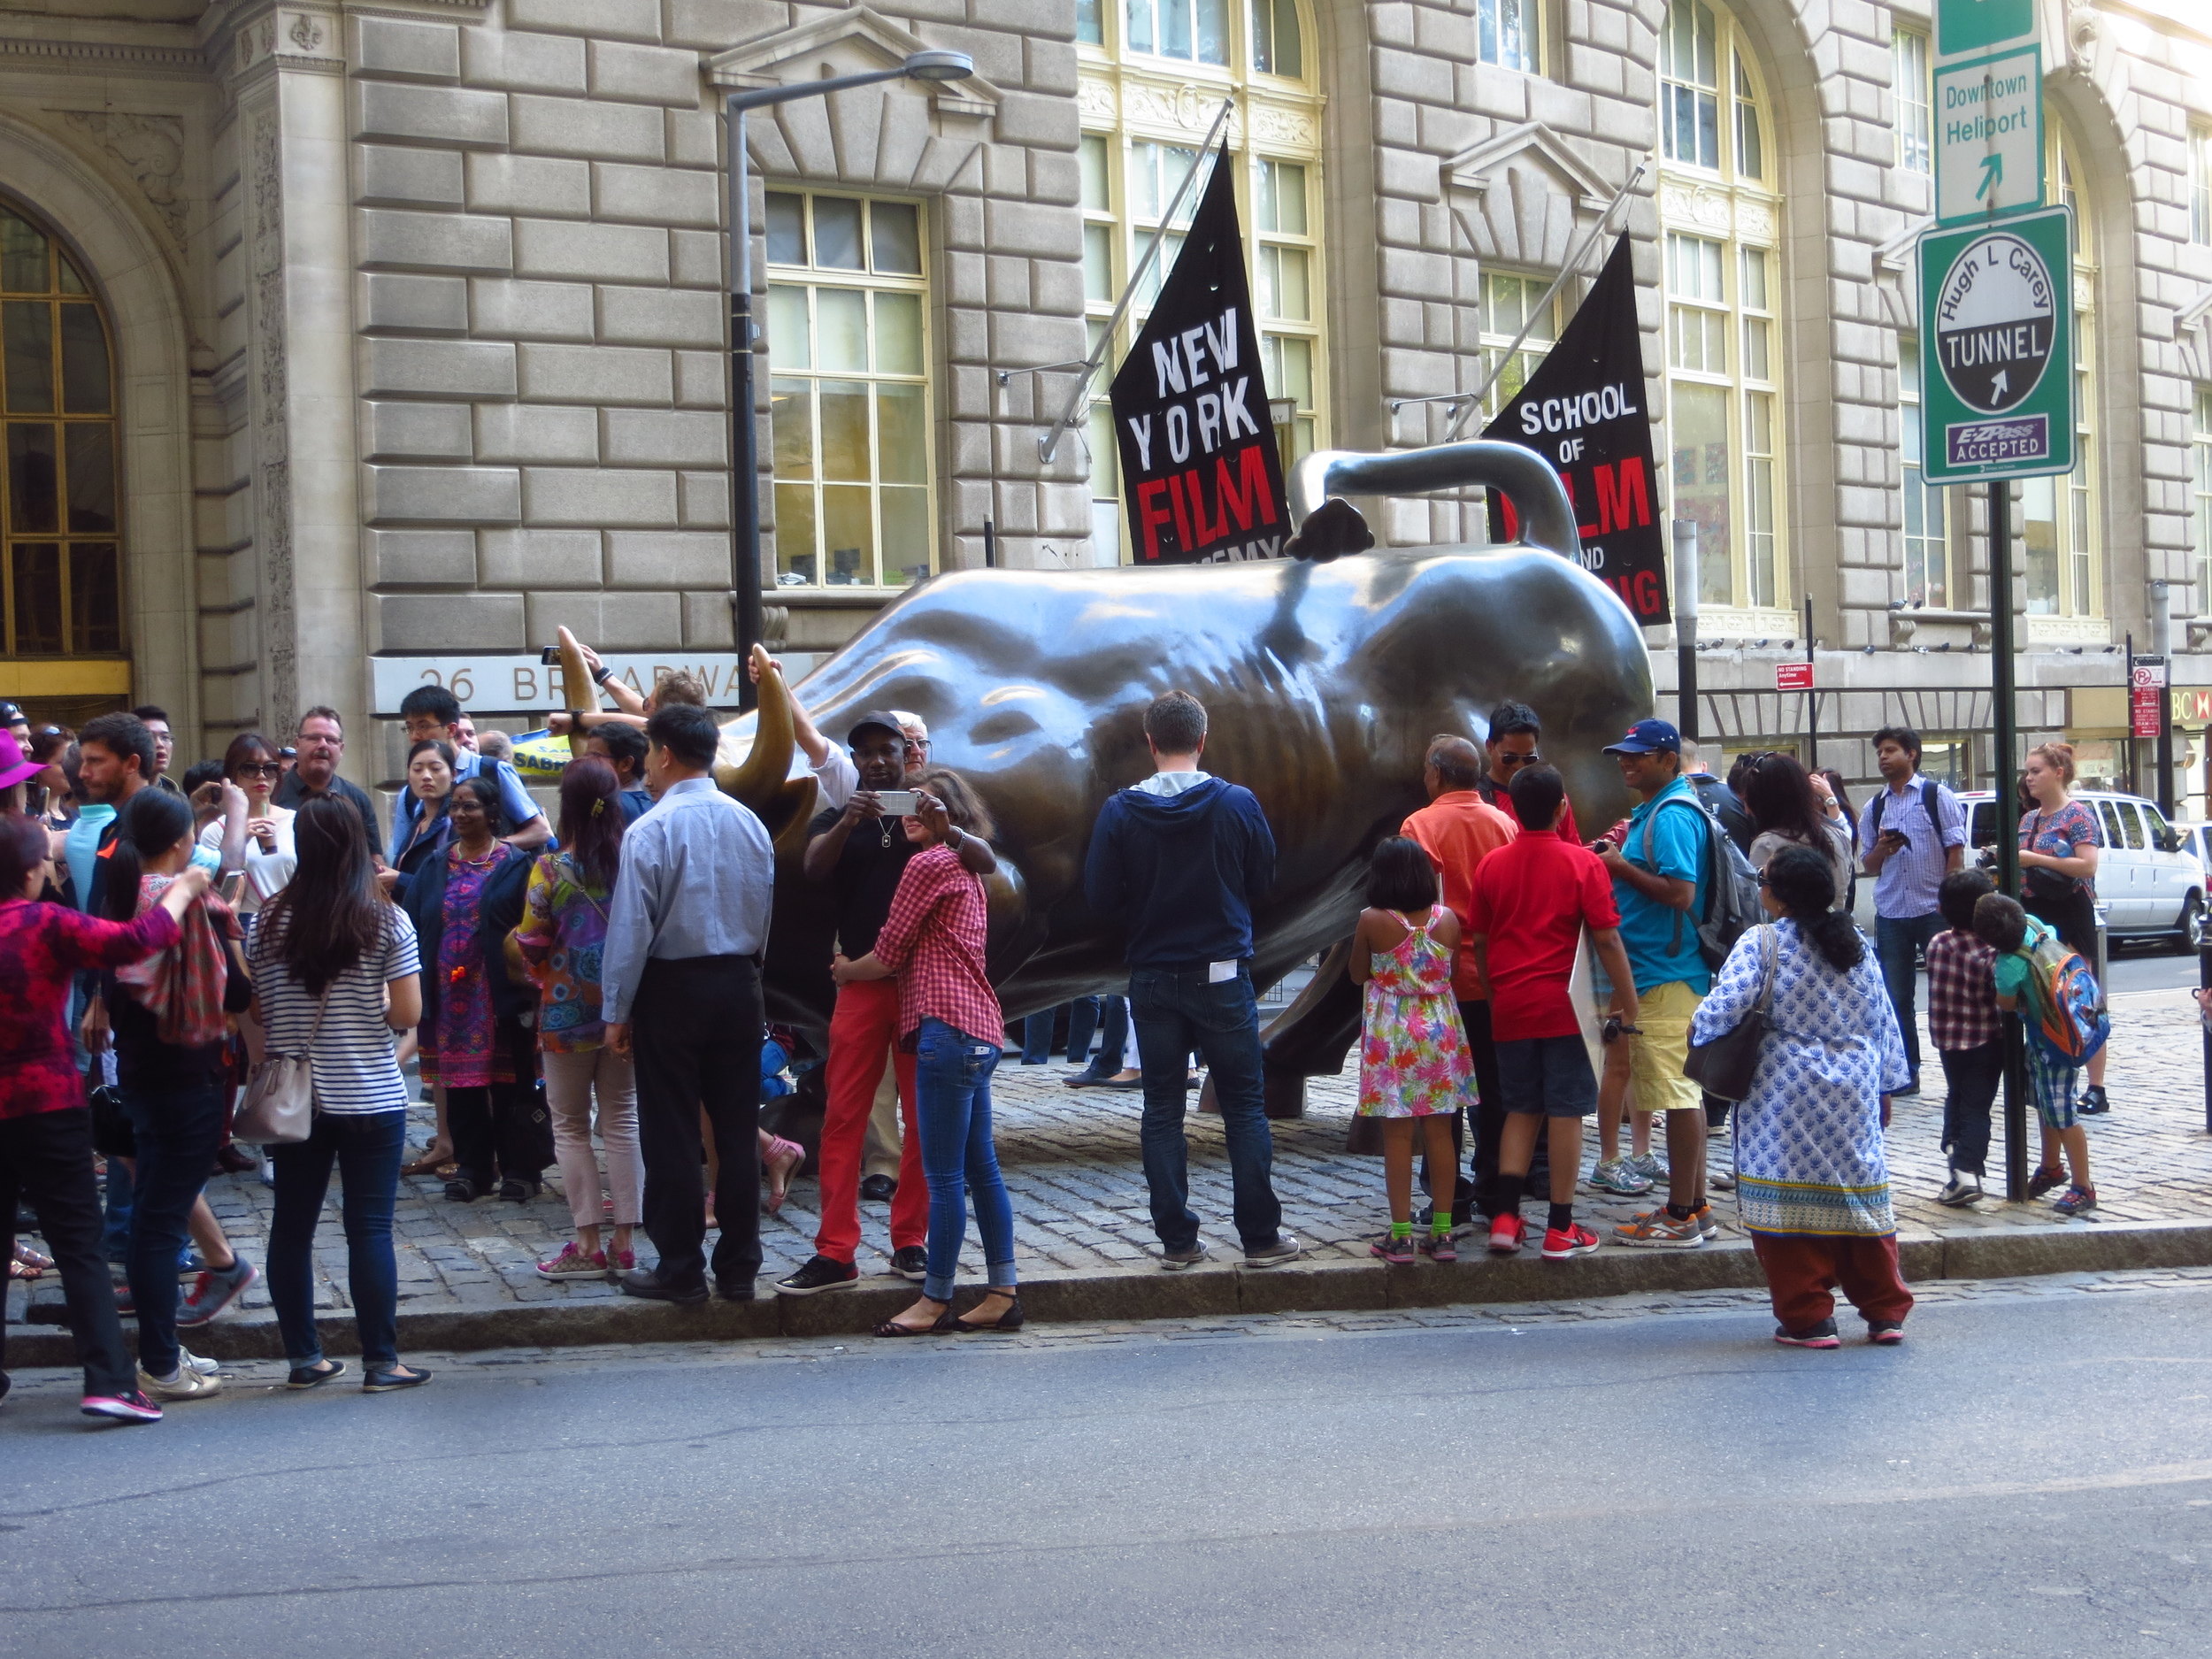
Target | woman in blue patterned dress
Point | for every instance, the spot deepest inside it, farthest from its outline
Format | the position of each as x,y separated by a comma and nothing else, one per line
1812,1184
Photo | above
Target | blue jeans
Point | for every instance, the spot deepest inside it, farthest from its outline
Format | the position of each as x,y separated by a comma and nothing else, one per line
1895,940
365,1146
952,1109
1176,1012
1082,1027
1037,1037
177,1131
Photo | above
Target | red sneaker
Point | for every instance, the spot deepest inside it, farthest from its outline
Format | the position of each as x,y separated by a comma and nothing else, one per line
1577,1240
1506,1232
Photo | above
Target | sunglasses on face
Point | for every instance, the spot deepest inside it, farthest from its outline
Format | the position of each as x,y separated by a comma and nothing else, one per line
260,769
1518,760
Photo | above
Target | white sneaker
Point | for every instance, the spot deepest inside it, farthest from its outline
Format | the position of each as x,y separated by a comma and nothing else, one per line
189,1361
1958,1192
187,1383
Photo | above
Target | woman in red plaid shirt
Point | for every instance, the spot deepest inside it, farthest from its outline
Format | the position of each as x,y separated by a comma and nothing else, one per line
45,1127
950,1015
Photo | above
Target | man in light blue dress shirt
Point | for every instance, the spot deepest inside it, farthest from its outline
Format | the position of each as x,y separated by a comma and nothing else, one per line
679,985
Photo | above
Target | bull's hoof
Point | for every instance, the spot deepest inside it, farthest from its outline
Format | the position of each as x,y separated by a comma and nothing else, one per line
1286,1096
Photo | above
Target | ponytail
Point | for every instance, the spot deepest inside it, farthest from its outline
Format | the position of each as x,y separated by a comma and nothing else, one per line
151,822
1802,882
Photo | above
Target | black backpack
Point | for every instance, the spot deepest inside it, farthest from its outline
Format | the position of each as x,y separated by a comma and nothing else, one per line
1732,887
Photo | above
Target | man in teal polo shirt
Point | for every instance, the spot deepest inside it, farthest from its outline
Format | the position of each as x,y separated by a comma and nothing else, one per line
1658,895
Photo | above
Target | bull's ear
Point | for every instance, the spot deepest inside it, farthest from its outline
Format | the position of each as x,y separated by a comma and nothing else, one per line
1331,530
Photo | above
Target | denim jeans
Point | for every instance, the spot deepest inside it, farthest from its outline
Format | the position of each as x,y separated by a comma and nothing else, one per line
1176,1011
1037,1037
1895,940
115,1222
1082,1027
366,1147
177,1131
952,1106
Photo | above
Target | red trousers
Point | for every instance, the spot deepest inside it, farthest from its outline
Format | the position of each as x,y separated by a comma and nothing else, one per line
1801,1272
863,1028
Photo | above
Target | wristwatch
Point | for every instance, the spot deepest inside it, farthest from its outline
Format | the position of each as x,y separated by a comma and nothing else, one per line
956,837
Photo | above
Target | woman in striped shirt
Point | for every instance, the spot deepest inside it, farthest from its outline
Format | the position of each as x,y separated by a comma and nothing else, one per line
335,974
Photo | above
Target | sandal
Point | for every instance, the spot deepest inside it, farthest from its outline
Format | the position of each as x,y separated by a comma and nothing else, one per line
944,1322
27,1263
431,1158
785,1160
1009,1320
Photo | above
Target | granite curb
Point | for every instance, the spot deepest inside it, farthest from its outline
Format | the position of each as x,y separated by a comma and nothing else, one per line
1218,1290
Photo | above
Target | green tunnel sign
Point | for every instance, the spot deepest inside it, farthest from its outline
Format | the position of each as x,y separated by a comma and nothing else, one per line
1997,350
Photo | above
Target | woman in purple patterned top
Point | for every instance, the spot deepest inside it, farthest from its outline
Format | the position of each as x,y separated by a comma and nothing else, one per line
2058,873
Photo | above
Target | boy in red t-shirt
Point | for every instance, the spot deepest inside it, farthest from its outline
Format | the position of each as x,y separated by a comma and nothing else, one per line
1531,901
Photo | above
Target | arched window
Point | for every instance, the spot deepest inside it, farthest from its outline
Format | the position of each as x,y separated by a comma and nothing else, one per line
60,578
1721,269
1152,73
2058,516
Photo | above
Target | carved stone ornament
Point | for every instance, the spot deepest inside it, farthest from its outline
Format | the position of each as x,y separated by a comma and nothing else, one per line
305,32
1094,101
149,147
1706,206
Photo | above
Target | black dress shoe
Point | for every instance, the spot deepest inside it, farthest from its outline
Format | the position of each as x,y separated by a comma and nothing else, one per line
879,1189
647,1282
736,1289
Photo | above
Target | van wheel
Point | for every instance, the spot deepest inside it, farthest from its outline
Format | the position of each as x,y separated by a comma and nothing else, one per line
2194,927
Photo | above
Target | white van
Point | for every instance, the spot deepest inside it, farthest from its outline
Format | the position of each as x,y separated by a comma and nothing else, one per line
2150,880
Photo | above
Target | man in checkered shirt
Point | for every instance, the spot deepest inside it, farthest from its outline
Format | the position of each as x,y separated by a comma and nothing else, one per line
1911,835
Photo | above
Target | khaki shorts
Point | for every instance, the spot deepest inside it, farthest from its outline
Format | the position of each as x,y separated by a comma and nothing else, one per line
1656,1083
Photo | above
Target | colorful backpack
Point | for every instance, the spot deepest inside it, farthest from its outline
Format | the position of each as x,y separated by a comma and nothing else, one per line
2066,1012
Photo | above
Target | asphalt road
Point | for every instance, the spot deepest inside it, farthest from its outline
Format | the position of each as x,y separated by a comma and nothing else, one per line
2029,1474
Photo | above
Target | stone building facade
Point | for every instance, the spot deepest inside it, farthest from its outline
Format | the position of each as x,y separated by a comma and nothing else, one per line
415,332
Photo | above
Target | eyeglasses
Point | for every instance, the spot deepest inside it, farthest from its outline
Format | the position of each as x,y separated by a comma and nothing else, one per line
259,768
1519,760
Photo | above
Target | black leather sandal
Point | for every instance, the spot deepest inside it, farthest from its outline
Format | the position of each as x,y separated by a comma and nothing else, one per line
944,1322
1009,1320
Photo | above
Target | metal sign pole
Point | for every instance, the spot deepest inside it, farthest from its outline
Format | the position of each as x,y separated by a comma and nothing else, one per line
1685,580
2001,667
1812,698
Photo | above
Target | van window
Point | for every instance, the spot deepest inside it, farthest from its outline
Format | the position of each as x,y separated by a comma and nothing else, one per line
2111,821
2130,824
1982,832
2161,834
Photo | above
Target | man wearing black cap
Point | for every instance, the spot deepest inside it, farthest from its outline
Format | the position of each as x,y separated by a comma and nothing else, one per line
861,852
1657,876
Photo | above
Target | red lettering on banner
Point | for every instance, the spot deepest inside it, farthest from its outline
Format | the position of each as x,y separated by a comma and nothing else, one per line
1182,520
1248,495
1567,482
1624,496
1152,514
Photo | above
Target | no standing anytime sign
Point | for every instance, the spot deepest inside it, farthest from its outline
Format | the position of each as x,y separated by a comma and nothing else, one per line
1997,348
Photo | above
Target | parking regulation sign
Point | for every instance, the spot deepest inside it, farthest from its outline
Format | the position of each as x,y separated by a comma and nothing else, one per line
1997,350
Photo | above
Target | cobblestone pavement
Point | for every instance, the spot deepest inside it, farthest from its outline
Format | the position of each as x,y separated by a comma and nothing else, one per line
1071,1162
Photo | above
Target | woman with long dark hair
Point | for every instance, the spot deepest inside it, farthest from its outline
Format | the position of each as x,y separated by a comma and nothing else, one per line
1787,811
474,1042
2058,873
1812,1184
45,1127
562,931
170,1020
933,942
335,975
267,857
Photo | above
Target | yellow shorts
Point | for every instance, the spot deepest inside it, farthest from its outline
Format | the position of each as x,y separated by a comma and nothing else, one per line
1655,1057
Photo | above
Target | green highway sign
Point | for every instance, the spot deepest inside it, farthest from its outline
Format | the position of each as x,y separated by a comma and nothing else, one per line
1989,137
1997,350
1967,26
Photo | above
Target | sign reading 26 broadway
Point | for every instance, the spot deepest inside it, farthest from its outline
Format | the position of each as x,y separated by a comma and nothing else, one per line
1997,350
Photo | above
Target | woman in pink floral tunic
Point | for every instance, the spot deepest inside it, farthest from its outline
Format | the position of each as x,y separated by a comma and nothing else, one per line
1414,1062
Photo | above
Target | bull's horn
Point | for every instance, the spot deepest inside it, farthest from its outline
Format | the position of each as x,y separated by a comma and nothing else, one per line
756,781
576,685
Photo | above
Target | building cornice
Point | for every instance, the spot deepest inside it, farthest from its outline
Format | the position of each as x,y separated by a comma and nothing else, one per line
109,52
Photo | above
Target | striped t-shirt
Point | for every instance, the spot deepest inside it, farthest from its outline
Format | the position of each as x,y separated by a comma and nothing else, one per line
354,1067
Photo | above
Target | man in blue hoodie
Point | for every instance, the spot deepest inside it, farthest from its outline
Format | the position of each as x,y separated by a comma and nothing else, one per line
1180,859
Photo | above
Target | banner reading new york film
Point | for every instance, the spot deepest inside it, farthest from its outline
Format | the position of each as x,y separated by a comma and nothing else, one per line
1583,411
1201,475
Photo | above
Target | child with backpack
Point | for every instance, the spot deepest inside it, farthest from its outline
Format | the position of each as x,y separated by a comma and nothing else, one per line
1415,1065
1962,1018
2050,987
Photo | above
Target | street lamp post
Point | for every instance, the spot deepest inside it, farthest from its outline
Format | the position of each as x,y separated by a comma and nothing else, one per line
744,440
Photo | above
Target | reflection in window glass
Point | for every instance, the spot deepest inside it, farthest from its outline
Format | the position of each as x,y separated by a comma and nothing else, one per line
894,231
36,608
1505,33
837,245
787,228
1278,46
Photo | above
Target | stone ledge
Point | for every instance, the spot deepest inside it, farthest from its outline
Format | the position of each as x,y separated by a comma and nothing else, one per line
1222,1287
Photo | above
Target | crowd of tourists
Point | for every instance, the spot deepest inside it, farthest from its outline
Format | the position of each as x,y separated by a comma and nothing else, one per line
181,949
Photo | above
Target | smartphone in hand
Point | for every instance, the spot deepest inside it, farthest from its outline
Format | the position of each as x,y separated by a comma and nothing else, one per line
897,802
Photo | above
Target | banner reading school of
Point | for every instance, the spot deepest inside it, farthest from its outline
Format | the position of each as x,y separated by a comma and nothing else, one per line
1583,411
1202,478
1997,350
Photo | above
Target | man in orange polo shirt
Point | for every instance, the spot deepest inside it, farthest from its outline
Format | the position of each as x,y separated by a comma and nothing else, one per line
1458,830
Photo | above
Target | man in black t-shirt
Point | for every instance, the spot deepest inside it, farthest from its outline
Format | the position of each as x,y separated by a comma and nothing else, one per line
322,740
861,854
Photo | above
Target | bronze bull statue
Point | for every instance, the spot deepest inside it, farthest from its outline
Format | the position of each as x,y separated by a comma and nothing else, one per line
1323,682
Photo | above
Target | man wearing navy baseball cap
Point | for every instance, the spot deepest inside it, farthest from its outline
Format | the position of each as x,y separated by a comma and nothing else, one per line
1656,881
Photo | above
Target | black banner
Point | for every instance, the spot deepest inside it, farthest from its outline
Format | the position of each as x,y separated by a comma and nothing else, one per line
1200,473
1583,411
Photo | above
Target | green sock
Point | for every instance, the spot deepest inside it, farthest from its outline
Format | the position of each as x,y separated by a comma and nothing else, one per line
1402,1229
1440,1224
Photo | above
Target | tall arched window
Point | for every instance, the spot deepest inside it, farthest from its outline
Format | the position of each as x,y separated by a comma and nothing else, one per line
2060,516
60,578
1721,269
1152,73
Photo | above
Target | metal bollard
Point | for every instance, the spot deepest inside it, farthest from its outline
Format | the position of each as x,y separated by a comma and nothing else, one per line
2204,980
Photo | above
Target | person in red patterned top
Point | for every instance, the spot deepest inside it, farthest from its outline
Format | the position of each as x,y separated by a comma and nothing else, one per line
1962,1021
949,1015
45,1127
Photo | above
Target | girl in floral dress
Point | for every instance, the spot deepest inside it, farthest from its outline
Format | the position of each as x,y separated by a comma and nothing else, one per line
1414,1062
